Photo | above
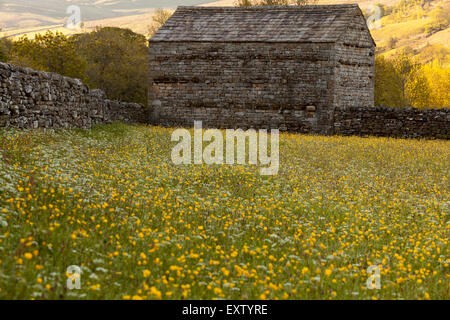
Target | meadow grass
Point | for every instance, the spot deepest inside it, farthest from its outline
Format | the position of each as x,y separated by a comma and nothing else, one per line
110,200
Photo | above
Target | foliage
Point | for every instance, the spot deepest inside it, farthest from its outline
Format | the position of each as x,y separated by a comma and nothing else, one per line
441,16
384,9
111,59
410,23
417,89
249,3
159,18
438,75
391,42
403,66
49,52
387,89
5,47
111,201
434,52
403,81
116,62
404,7
3,56
441,21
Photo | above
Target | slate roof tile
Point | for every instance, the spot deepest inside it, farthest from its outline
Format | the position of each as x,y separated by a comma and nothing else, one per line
321,23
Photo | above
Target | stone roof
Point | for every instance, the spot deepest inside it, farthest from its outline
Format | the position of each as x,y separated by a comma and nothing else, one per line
321,23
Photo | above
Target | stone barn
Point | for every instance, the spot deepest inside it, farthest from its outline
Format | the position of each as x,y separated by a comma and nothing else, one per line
261,67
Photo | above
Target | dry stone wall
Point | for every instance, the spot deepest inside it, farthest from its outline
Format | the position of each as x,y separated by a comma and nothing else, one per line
392,122
32,99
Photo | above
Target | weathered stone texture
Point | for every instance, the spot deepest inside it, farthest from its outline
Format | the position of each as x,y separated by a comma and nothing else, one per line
260,67
325,23
392,122
31,99
355,67
230,85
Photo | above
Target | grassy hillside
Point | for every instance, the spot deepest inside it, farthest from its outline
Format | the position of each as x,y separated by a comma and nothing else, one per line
422,30
19,14
111,201
138,23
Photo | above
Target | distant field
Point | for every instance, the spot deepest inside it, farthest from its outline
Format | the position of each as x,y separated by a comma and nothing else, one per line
16,14
110,201
137,23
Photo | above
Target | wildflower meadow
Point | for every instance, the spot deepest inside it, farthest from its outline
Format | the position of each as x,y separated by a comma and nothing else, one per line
110,201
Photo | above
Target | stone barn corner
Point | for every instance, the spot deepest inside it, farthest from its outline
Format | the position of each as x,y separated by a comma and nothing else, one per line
261,67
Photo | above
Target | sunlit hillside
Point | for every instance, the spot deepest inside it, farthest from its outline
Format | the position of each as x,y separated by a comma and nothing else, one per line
19,14
421,30
138,23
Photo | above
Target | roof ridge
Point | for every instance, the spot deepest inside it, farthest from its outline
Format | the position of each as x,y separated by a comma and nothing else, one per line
316,23
291,7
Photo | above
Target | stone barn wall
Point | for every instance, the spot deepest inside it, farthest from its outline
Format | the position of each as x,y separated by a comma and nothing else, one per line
31,99
227,85
355,66
261,67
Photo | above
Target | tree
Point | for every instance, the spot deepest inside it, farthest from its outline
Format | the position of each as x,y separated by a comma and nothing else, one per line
3,57
116,62
53,52
384,9
403,65
441,16
252,3
244,3
159,18
304,2
437,74
418,91
391,42
4,48
402,81
387,89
